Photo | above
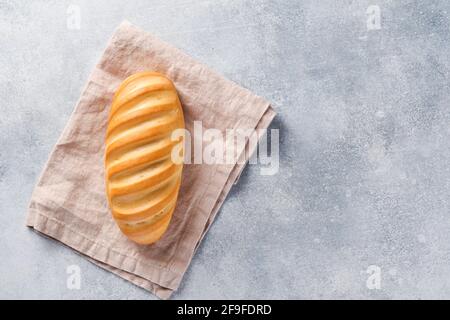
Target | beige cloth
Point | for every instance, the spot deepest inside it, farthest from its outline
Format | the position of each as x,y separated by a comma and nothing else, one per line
69,203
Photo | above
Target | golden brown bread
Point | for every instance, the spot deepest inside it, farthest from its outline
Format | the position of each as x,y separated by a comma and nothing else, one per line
142,177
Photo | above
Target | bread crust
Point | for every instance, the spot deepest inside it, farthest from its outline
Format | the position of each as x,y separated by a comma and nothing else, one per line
142,178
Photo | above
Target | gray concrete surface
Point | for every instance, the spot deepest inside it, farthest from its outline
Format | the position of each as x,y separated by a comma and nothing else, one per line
364,118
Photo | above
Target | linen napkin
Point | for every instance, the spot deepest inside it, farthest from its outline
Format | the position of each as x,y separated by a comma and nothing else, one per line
69,202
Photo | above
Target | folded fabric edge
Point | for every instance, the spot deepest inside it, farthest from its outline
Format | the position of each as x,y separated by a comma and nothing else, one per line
236,173
60,231
159,291
250,148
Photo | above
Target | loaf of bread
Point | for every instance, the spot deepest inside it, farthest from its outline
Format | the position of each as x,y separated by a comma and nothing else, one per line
142,177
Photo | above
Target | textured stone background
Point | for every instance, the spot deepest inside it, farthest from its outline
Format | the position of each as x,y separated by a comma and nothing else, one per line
364,117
